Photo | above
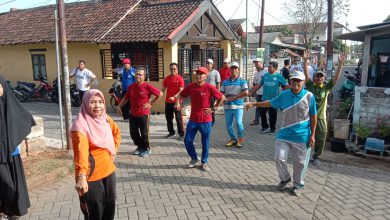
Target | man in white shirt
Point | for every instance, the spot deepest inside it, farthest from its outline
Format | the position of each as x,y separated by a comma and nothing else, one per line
84,78
214,79
260,71
295,66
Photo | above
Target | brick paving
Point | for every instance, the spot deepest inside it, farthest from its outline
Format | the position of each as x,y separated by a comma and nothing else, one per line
240,185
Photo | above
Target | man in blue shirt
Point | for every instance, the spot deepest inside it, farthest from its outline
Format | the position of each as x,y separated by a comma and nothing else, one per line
128,77
234,89
297,133
270,82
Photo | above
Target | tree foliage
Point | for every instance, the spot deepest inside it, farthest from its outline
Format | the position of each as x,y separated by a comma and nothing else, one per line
310,15
285,30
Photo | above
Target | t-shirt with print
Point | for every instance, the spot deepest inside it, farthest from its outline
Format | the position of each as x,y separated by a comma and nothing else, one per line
83,77
321,96
139,94
172,83
232,88
213,78
296,112
271,84
296,67
200,100
257,79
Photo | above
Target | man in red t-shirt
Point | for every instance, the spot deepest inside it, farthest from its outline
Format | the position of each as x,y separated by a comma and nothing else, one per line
200,93
225,70
139,94
174,84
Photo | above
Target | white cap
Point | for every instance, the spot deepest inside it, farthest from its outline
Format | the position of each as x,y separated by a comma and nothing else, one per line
258,60
298,75
235,64
210,61
226,60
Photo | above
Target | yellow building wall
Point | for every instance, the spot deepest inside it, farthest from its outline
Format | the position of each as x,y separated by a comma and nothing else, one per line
226,45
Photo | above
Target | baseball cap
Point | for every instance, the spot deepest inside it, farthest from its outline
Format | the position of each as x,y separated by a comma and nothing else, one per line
210,61
202,70
226,60
235,64
298,75
126,61
319,73
258,60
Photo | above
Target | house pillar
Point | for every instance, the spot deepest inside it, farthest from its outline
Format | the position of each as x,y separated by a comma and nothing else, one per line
170,54
226,45
366,58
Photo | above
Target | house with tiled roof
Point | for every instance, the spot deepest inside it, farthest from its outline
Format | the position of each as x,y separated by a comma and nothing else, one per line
152,33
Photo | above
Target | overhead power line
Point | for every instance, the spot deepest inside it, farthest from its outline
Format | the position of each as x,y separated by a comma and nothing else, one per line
268,13
236,10
7,2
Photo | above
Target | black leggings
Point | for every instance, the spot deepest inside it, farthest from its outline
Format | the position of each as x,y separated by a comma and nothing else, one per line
99,202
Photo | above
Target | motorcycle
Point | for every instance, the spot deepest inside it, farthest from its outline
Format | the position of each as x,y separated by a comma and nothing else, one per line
116,94
20,96
348,87
74,94
42,91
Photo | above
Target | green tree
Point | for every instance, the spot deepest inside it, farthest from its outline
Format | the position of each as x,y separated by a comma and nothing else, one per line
311,15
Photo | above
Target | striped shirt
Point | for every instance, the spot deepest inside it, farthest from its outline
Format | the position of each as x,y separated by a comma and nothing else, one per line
232,88
296,112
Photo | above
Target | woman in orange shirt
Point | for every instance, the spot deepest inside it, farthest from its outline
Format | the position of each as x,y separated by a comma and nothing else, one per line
95,138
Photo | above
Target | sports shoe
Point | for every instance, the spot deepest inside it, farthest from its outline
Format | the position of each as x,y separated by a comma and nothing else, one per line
137,151
170,135
231,143
264,130
296,190
193,162
316,162
240,142
272,131
205,167
283,184
181,138
145,153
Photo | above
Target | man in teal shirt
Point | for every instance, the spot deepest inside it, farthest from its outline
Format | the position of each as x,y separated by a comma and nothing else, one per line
321,92
270,82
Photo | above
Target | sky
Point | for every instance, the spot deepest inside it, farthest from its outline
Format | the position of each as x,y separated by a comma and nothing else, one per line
361,12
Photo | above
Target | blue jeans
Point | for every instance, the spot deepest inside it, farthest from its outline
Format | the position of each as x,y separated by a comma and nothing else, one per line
205,131
229,115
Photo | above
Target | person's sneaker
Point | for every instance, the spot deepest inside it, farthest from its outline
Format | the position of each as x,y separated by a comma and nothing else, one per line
193,162
205,167
283,184
272,131
170,135
264,130
254,122
240,143
145,153
137,151
231,143
181,138
296,190
316,162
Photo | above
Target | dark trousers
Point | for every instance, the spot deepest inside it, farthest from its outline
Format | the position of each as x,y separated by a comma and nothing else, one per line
125,108
212,101
139,131
99,202
257,111
81,95
272,114
171,112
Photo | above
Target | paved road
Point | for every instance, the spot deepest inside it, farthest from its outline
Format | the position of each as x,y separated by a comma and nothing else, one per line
240,185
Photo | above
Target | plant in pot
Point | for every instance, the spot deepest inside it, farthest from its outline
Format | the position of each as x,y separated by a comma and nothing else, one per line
383,128
362,132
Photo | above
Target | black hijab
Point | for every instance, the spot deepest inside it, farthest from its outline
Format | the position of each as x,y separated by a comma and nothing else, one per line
15,122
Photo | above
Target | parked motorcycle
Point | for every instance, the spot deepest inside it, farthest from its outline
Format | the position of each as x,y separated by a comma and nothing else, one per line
74,94
20,96
116,94
348,87
29,90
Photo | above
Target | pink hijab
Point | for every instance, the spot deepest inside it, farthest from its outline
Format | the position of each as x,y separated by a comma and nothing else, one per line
97,129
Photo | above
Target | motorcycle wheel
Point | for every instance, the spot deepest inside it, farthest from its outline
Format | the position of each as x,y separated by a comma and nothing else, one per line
21,97
76,103
54,97
113,103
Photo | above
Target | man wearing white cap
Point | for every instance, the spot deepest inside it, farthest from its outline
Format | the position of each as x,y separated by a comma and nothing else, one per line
214,79
235,89
224,72
260,72
297,133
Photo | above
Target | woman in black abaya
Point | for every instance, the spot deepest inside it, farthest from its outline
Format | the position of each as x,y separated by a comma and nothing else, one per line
15,125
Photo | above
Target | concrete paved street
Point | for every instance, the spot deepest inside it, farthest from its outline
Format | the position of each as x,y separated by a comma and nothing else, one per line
241,183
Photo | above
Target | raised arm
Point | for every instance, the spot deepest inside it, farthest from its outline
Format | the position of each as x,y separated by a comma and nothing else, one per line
342,58
306,55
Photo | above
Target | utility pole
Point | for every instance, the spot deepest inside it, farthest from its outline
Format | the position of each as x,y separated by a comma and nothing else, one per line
261,24
329,43
246,41
65,70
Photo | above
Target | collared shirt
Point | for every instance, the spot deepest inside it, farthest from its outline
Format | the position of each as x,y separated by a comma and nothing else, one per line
257,79
213,77
321,96
128,77
139,94
296,112
232,87
200,100
173,83
84,77
271,84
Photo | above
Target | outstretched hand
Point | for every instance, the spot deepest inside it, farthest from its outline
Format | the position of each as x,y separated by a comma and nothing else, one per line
306,54
342,57
249,105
